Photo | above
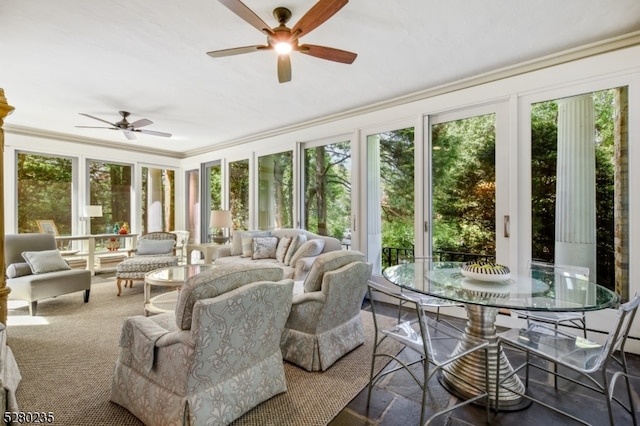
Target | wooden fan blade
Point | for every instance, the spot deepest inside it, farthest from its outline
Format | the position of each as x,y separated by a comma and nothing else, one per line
328,53
96,118
319,13
154,133
236,51
240,9
141,123
284,68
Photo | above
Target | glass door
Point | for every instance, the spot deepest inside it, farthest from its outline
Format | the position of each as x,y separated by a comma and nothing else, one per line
467,214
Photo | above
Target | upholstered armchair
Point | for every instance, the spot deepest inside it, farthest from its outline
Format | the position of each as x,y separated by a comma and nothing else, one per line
214,358
154,250
36,270
324,323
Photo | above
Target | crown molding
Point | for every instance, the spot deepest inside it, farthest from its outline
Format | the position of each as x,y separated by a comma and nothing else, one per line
64,137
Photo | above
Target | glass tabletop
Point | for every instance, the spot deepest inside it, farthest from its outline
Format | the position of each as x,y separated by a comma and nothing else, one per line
176,274
533,291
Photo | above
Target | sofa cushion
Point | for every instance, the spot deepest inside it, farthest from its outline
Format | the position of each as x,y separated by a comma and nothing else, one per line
264,247
247,247
45,261
283,246
18,270
329,262
310,248
148,247
296,243
236,242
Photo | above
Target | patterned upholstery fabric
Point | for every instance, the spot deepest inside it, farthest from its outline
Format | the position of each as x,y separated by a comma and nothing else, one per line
325,325
226,362
134,268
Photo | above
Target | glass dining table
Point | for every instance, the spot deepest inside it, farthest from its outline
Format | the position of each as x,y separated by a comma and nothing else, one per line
531,291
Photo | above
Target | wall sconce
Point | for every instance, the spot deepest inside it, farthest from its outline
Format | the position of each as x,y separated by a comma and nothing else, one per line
220,219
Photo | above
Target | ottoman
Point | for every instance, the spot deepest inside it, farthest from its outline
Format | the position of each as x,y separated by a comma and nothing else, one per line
135,268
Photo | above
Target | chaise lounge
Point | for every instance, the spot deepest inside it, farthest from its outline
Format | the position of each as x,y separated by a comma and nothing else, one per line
36,270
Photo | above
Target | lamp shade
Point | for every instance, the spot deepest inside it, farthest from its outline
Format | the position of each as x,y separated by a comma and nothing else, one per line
221,219
92,211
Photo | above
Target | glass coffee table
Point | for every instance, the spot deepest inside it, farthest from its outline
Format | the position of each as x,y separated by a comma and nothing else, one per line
172,277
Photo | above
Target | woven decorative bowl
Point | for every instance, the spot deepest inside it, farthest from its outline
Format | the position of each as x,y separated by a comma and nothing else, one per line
486,271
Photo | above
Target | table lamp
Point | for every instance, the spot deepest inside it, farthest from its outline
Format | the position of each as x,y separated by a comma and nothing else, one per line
89,212
220,219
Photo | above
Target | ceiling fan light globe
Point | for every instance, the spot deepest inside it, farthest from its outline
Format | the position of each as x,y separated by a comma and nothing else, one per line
283,48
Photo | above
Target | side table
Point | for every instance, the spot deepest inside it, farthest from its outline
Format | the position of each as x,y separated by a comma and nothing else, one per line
173,277
208,249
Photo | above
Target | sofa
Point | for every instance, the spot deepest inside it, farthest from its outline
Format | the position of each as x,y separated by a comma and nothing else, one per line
293,250
36,270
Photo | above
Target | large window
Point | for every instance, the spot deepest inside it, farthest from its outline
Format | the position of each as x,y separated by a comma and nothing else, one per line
275,191
44,191
463,185
110,187
327,190
158,200
390,193
239,193
579,184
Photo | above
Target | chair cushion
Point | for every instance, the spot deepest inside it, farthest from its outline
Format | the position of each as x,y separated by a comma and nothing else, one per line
45,261
137,267
147,247
329,262
310,248
18,270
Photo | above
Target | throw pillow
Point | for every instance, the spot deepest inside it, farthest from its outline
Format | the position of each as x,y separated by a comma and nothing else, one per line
44,261
310,248
283,246
298,241
16,270
247,247
236,242
147,247
264,247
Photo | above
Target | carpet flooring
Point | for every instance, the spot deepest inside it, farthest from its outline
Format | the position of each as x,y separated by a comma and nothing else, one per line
67,353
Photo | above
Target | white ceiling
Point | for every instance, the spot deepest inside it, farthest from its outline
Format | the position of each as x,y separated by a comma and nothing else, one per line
60,58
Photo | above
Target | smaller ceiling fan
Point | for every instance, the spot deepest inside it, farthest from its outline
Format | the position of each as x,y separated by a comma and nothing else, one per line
127,128
283,39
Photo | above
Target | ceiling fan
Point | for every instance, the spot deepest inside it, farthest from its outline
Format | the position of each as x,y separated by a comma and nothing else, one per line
283,39
127,128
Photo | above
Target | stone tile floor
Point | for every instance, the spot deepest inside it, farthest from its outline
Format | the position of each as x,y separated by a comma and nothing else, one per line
396,400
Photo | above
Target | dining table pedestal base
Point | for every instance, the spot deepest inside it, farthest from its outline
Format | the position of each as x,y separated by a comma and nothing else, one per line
470,369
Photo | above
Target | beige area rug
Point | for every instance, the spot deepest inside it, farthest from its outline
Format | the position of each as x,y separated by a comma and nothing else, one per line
67,356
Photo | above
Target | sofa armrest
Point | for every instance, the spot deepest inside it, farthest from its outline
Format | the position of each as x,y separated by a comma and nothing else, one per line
222,251
302,267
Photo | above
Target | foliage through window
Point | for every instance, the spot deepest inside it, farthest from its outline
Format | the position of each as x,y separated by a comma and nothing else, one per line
158,200
239,193
327,190
44,191
275,191
110,187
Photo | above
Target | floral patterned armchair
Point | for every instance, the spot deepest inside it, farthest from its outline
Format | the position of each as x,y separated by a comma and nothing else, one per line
324,323
212,360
